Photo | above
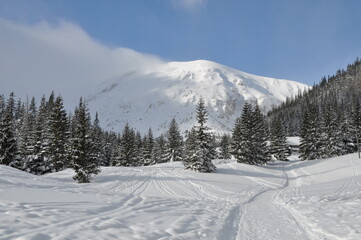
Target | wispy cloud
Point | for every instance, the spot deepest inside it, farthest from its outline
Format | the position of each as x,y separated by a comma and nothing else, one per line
189,5
36,59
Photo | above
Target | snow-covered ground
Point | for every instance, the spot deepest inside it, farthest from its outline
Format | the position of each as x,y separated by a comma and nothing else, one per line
318,199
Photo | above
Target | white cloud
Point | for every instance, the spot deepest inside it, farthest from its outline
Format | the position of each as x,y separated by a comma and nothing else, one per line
39,58
189,5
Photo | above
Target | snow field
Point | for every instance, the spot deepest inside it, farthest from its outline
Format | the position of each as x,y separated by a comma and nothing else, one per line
318,199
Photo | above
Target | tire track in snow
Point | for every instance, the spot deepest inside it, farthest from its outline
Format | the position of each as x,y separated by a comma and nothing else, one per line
356,173
349,180
102,212
114,210
181,184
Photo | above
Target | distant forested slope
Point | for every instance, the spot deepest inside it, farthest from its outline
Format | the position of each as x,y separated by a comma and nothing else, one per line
339,93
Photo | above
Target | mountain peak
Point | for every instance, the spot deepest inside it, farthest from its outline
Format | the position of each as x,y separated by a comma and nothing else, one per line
152,98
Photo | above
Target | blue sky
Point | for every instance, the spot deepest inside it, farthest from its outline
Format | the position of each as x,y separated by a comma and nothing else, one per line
300,40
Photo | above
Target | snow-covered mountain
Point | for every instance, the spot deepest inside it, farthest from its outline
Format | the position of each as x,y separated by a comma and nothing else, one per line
151,97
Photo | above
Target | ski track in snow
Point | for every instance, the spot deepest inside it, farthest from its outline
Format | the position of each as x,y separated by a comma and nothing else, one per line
318,199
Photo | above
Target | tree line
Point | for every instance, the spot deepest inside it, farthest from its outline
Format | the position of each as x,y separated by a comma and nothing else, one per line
46,138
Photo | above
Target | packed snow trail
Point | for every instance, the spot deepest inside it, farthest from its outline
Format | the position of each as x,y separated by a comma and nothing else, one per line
315,200
263,218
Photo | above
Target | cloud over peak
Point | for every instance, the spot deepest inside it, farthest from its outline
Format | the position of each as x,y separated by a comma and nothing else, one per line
36,59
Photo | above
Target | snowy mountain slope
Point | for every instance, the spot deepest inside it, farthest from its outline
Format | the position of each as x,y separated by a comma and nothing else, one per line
152,97
315,200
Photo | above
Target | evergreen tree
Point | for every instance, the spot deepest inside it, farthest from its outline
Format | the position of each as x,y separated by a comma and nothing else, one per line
355,123
160,150
116,157
278,145
38,162
126,149
148,153
138,159
51,101
347,136
26,139
241,145
2,105
201,160
331,136
249,139
84,161
174,143
31,121
310,146
19,112
190,147
259,138
110,143
58,135
8,144
224,147
99,145
31,132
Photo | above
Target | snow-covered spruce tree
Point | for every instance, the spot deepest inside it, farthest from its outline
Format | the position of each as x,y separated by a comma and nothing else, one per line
8,143
2,105
44,136
241,144
38,162
190,148
236,142
115,160
160,149
125,154
58,135
24,138
148,149
110,143
278,145
99,142
138,159
50,102
174,143
83,157
355,122
249,137
19,113
331,135
347,137
29,139
310,134
224,146
201,160
31,120
260,135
